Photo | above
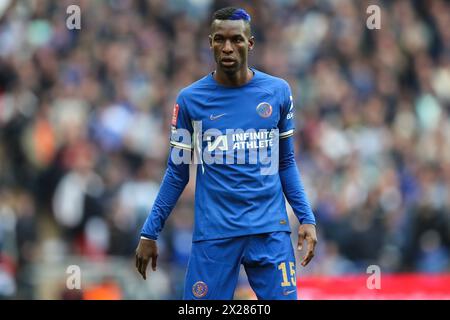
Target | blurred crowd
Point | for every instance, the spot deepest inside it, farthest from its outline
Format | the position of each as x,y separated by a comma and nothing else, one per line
84,127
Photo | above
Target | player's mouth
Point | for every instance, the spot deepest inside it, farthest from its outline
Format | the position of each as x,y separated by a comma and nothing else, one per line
227,62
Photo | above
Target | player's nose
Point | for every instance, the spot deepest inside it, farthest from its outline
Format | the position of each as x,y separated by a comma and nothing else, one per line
227,47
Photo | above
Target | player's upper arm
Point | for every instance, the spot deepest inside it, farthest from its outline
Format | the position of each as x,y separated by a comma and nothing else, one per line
181,126
286,124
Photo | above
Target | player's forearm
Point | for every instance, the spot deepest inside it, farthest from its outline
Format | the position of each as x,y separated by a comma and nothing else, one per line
292,183
173,184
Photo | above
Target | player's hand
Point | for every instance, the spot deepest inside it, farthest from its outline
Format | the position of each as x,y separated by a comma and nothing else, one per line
147,249
307,232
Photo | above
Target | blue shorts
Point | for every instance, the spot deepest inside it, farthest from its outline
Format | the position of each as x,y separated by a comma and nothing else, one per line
268,259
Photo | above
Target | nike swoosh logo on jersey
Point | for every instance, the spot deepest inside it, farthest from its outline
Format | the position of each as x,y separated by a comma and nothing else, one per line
213,117
288,292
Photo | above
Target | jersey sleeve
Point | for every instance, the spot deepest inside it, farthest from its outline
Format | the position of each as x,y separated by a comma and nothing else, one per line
176,176
181,126
292,185
289,174
286,124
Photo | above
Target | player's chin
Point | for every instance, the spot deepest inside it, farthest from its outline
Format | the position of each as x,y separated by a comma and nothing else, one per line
229,67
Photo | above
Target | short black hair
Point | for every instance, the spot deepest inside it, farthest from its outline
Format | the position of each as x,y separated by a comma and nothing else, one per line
232,13
224,13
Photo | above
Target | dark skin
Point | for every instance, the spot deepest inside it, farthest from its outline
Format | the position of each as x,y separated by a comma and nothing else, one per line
147,250
230,41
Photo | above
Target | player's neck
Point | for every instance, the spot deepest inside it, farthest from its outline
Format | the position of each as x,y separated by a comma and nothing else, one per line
233,80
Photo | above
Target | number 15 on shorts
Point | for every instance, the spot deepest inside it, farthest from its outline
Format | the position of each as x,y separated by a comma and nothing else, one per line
283,268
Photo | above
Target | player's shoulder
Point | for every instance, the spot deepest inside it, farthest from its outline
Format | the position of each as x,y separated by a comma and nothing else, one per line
196,87
271,80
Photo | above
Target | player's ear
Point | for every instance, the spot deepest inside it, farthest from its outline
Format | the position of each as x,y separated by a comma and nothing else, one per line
251,43
210,41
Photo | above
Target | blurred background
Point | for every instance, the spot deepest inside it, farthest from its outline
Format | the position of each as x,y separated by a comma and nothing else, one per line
84,127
